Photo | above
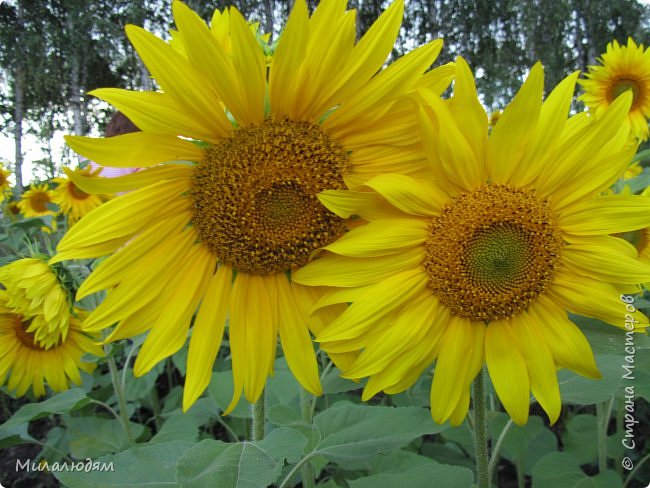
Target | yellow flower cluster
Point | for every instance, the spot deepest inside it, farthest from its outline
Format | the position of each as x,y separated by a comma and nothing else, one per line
320,192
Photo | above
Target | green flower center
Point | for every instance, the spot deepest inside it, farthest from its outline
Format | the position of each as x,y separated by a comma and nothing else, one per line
492,252
254,195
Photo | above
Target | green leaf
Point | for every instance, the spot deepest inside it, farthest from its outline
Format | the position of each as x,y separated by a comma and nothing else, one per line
333,383
216,464
608,479
150,465
282,388
557,469
581,438
179,427
284,444
584,391
140,387
351,435
424,476
14,435
283,415
560,469
92,437
67,401
221,388
525,444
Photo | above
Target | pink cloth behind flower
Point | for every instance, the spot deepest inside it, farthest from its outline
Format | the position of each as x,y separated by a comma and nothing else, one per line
109,172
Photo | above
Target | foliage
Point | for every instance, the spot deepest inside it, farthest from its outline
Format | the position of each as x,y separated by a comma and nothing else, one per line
336,438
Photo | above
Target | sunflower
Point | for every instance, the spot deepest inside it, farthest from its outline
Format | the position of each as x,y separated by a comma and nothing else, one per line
33,289
25,361
34,201
622,68
12,210
74,202
481,262
231,215
5,184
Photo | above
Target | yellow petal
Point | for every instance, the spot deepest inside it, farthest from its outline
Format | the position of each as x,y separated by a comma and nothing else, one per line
148,277
380,238
411,195
398,77
137,149
552,120
510,136
155,112
370,53
120,265
252,336
128,214
508,370
405,333
334,270
249,64
379,301
541,367
170,331
296,342
289,55
190,89
446,390
207,333
365,204
565,341
590,298
607,214
149,176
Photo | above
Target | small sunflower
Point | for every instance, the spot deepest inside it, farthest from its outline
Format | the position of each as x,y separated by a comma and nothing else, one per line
622,68
12,210
481,262
5,184
34,201
74,202
34,290
227,218
25,362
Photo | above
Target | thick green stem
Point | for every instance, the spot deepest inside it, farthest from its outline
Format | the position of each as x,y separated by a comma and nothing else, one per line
603,412
496,448
481,432
306,471
258,421
121,399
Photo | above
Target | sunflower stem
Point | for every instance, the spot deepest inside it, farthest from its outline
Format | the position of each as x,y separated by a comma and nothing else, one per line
121,399
481,431
497,447
257,416
603,413
306,470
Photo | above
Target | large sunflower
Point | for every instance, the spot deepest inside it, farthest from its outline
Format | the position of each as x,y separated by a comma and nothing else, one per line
227,221
74,202
481,262
622,68
25,361
33,289
34,201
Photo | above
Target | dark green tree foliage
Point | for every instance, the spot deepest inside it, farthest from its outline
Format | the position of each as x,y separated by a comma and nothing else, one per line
501,39
69,47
